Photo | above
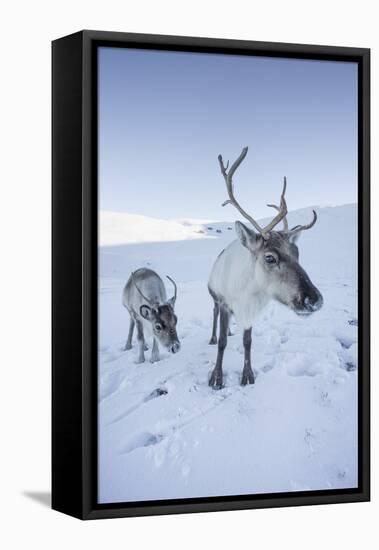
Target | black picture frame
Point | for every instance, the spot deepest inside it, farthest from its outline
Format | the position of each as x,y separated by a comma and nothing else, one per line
74,272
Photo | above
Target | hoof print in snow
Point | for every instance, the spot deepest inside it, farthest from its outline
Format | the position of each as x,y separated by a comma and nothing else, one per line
345,344
349,366
145,439
156,393
353,322
267,367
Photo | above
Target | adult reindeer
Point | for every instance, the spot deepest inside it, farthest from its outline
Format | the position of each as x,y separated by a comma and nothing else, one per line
261,265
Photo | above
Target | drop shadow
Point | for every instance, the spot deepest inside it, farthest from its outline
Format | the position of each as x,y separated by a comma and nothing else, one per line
42,497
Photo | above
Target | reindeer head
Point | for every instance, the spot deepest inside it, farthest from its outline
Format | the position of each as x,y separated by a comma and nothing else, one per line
277,267
162,318
278,271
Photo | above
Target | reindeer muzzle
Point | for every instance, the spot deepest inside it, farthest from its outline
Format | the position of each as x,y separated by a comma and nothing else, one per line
175,347
310,302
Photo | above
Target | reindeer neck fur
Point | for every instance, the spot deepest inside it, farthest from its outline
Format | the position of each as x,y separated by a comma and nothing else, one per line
151,286
236,282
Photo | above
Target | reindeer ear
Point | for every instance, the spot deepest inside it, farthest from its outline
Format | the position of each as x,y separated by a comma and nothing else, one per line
294,238
247,236
145,312
172,301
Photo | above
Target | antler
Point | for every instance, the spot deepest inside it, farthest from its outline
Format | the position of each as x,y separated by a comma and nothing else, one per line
140,291
175,288
285,222
299,228
282,210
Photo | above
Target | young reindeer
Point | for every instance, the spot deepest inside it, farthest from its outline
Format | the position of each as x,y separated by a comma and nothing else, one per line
259,266
145,298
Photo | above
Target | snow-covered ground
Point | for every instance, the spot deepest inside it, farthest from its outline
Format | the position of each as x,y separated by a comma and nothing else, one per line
163,433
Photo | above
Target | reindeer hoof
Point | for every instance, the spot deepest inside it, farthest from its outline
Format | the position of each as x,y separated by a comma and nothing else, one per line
213,341
127,347
145,347
247,378
215,380
140,360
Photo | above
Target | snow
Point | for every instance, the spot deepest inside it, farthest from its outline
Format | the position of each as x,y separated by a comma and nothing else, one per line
164,433
117,228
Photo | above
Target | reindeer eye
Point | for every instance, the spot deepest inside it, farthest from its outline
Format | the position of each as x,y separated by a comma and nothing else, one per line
158,327
270,259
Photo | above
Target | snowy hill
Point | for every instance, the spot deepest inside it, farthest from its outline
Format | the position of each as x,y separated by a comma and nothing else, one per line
163,433
117,228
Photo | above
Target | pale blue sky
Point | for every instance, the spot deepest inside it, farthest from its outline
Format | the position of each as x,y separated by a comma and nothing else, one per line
165,116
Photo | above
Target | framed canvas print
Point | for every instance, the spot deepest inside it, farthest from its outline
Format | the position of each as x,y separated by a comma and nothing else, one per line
210,274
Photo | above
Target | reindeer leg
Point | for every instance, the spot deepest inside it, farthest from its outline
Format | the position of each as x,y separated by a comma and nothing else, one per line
141,342
247,373
155,352
128,344
216,311
216,377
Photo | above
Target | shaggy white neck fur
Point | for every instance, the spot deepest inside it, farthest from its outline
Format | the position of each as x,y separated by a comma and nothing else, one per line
237,279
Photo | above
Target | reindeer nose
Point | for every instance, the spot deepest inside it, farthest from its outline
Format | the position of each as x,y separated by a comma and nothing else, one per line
175,347
313,300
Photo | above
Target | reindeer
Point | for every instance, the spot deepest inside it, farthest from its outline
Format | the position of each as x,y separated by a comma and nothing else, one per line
261,265
145,298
